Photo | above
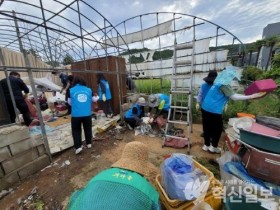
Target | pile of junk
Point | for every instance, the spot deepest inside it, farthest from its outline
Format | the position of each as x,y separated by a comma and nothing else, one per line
250,169
51,100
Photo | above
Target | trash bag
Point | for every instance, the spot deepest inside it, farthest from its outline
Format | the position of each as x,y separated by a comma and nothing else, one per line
181,180
271,122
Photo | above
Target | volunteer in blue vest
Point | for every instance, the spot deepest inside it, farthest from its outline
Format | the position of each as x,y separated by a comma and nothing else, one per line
133,116
124,186
203,90
80,99
104,94
214,104
160,102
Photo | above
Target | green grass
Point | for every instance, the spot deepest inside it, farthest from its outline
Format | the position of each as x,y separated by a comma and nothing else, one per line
153,85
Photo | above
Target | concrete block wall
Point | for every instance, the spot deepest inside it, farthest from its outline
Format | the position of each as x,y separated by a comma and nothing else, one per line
20,155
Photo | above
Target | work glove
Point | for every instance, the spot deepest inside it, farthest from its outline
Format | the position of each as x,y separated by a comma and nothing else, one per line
103,97
257,95
197,106
226,107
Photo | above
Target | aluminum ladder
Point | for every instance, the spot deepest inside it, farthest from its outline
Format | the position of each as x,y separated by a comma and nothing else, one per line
181,87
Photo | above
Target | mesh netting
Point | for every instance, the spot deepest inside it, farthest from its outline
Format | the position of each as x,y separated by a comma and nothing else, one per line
107,195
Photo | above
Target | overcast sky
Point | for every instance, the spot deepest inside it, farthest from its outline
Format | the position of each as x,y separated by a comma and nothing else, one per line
244,18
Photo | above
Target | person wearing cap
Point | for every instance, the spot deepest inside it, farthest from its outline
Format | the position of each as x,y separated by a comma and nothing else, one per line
214,104
160,102
205,87
104,94
133,116
80,100
203,90
126,185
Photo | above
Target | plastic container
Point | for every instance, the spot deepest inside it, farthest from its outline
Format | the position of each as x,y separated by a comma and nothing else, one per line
241,114
214,201
174,203
266,85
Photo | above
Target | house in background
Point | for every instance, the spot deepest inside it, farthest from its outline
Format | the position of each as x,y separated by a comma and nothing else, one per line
270,30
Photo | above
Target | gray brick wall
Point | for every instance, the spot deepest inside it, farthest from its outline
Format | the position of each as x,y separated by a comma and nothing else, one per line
20,155
4,153
13,134
8,180
34,166
19,160
24,145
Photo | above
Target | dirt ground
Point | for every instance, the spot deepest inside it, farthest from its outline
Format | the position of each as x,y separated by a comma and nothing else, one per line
53,186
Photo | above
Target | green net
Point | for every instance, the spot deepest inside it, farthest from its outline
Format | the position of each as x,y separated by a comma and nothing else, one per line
116,189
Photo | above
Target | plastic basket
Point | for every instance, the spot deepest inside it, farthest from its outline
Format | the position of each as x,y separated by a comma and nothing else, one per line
177,204
214,202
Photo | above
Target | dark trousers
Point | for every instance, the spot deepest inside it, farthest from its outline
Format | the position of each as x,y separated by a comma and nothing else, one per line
131,121
106,106
22,107
76,125
212,126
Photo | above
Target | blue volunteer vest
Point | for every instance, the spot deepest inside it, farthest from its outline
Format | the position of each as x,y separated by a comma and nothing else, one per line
205,87
215,100
129,113
81,99
167,101
107,90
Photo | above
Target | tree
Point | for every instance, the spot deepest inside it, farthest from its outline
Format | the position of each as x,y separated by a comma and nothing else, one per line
68,59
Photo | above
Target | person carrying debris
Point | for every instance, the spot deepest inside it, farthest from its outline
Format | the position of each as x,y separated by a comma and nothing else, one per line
17,86
203,90
214,104
80,100
123,186
160,102
104,94
133,116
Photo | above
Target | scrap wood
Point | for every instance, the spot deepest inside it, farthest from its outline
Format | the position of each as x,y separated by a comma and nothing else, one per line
107,126
98,139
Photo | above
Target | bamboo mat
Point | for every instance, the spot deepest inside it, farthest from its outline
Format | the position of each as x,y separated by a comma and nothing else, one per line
60,121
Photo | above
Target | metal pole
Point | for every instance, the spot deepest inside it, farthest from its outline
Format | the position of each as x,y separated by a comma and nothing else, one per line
82,38
27,63
47,35
119,86
9,85
217,32
159,43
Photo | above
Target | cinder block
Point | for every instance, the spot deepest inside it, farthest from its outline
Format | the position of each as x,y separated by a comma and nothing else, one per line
41,150
25,144
4,153
8,180
34,166
12,134
19,160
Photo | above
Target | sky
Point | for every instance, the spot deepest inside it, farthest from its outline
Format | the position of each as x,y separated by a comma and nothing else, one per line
243,18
